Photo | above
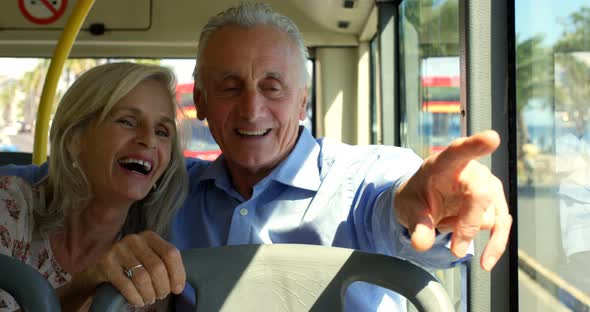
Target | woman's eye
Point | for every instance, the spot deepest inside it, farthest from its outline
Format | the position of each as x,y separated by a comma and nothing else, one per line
163,133
126,122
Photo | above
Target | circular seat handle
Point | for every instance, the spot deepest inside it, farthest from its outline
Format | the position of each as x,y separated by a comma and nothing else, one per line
27,286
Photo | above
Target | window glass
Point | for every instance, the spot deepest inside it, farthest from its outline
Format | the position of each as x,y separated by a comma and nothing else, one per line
308,122
21,83
429,74
430,87
553,154
375,94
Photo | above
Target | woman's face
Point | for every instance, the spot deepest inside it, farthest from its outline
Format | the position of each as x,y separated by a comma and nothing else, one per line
126,154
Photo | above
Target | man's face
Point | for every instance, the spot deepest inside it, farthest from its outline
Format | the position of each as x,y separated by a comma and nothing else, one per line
253,95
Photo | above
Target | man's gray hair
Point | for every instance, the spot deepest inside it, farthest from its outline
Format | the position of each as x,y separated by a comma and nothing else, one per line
250,15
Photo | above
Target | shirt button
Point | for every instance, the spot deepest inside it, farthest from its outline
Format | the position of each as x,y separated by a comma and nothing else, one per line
243,211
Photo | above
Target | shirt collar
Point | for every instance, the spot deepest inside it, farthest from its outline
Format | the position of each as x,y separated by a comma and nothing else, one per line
300,169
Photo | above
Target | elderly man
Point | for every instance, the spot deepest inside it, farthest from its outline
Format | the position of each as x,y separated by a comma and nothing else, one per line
275,183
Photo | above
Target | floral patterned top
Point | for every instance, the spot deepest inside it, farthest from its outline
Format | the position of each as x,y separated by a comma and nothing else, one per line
17,199
16,235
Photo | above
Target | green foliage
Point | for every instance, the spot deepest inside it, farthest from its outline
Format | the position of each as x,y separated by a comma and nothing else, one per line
576,34
572,86
437,26
572,89
534,72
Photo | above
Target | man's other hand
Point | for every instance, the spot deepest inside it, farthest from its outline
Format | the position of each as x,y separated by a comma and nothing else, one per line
453,192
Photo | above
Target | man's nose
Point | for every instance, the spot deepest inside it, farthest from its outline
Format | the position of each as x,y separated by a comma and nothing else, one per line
251,105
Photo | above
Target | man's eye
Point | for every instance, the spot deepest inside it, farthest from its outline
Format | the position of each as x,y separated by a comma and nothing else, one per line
272,91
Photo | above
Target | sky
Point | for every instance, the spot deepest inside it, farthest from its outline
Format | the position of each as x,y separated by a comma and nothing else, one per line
16,67
544,17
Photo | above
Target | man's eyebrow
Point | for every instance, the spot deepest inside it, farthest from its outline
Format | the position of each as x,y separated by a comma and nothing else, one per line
276,75
227,74
234,75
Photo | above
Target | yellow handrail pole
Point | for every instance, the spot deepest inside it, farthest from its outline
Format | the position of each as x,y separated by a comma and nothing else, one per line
61,53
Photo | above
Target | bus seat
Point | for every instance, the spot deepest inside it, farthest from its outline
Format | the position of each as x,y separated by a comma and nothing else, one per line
290,277
27,286
16,158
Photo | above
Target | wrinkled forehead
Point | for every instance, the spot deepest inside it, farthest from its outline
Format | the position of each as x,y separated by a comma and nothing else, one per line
259,49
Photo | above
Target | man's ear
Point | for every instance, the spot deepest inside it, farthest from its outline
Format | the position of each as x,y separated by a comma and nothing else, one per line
199,101
303,105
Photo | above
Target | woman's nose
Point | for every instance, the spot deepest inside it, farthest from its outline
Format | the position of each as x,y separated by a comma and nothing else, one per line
147,138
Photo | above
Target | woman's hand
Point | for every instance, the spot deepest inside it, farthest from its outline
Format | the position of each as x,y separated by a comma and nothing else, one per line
156,270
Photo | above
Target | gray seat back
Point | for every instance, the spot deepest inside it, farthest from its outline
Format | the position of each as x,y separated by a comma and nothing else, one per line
290,277
27,286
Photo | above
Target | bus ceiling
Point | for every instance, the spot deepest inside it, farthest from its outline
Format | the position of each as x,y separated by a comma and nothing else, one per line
166,28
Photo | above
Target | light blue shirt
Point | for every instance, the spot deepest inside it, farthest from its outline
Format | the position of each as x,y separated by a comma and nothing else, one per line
573,168
324,193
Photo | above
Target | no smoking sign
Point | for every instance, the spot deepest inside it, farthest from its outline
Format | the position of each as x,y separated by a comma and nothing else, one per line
42,12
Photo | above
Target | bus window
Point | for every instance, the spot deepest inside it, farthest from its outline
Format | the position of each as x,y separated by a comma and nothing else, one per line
429,75
22,80
200,143
441,105
429,85
553,154
375,94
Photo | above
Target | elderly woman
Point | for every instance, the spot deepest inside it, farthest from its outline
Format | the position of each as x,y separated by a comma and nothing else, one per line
116,177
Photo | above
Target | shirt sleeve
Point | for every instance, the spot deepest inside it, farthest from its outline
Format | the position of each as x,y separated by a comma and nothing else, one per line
394,238
29,173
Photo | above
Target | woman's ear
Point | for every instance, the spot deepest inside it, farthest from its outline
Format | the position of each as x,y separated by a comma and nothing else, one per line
73,147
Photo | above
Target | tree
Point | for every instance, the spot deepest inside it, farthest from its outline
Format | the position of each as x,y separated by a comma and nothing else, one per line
576,34
572,88
572,59
534,80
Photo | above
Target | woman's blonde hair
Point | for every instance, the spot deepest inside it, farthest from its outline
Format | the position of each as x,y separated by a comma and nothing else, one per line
89,100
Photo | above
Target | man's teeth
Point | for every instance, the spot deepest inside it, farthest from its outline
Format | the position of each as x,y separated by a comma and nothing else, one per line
257,132
146,164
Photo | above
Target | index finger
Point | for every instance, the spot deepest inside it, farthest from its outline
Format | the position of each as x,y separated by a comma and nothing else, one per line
462,150
172,259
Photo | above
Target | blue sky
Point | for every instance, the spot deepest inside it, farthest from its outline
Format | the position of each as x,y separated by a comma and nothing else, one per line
543,17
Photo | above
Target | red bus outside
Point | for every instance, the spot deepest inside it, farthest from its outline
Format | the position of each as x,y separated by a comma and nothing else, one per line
441,110
201,143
